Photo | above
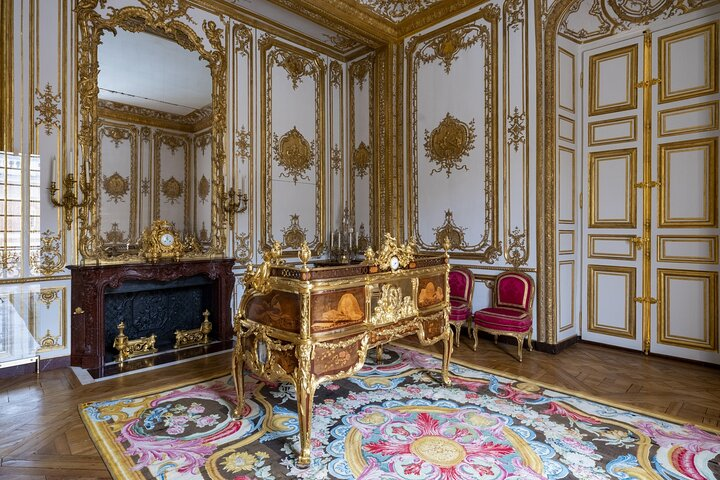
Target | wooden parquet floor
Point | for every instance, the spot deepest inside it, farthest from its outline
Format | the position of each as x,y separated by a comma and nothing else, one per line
43,438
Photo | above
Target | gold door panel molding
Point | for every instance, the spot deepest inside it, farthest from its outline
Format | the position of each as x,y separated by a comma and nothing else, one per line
566,129
613,76
566,297
566,185
612,131
613,197
566,80
679,53
687,309
687,249
687,172
611,300
566,242
612,247
702,117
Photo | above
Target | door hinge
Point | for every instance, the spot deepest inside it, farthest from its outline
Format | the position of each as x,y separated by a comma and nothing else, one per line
651,301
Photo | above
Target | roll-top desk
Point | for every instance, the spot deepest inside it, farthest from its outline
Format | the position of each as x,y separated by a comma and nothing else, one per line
310,323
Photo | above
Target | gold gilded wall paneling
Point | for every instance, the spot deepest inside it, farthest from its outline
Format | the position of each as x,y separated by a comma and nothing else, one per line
362,156
173,21
599,197
336,109
566,129
566,268
7,93
629,76
166,187
243,53
566,193
443,46
627,134
707,114
49,318
669,90
297,65
706,249
566,242
115,187
516,131
624,248
569,58
668,312
706,185
595,325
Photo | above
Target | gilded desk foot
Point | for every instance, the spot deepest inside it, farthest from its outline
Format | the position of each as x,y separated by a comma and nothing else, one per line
305,408
378,354
238,379
447,353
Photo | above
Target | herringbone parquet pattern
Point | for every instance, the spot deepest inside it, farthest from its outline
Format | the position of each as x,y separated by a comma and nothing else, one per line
43,437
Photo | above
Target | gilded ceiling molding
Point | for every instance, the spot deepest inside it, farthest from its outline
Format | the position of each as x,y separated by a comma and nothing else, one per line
172,20
455,139
292,151
448,143
49,257
342,43
47,109
294,154
397,10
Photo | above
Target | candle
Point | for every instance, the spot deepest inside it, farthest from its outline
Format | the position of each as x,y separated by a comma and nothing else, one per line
242,184
332,239
53,169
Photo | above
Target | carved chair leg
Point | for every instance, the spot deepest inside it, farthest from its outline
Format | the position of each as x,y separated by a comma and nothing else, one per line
458,329
475,338
495,337
521,340
530,340
378,354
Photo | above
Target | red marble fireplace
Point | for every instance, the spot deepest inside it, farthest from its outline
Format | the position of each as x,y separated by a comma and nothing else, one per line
166,288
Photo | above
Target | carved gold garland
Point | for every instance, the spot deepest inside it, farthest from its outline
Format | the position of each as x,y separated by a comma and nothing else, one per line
169,18
428,48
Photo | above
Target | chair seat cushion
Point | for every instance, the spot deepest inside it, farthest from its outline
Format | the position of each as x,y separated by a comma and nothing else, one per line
459,310
507,319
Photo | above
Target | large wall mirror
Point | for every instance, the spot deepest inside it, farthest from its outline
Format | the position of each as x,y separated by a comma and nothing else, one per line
152,111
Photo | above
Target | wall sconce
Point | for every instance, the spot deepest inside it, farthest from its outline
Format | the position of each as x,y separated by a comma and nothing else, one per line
68,200
233,203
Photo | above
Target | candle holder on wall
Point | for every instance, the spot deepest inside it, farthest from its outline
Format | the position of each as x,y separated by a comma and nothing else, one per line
69,200
234,203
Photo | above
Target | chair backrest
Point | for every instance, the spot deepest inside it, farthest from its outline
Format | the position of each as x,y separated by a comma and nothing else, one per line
514,289
461,283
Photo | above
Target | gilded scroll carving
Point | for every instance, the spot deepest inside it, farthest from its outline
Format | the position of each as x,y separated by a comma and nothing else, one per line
203,189
48,296
115,236
243,39
448,143
336,74
47,109
49,258
453,233
447,46
295,65
294,154
397,10
242,144
336,159
294,235
172,190
516,129
116,134
242,252
359,70
116,186
516,253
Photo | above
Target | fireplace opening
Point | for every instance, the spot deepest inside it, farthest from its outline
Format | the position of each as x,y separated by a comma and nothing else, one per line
148,307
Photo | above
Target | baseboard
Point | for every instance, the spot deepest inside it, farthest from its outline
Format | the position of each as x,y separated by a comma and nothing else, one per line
555,347
652,354
45,364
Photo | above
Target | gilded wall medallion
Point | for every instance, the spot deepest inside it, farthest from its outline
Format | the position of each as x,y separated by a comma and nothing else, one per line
448,143
47,109
116,186
172,190
294,154
516,129
361,160
115,236
48,295
294,235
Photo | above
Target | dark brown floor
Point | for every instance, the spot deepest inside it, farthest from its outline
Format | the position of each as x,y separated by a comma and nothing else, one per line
42,436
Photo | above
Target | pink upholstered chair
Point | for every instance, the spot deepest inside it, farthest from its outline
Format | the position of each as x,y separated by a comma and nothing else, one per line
461,291
511,313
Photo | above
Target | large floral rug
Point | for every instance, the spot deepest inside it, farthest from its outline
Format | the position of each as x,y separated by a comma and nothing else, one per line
395,421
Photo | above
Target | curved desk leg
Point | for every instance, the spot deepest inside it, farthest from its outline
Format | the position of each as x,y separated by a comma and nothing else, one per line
448,341
238,378
305,392
378,354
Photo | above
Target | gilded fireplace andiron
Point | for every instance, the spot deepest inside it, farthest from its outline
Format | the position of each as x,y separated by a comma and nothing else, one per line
310,324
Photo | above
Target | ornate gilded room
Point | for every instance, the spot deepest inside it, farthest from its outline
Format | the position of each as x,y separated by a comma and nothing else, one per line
372,239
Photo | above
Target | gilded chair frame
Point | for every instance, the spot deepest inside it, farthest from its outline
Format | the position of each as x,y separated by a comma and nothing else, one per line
170,24
456,324
519,336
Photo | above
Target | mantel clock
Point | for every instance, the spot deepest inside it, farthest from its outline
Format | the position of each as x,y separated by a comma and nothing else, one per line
161,240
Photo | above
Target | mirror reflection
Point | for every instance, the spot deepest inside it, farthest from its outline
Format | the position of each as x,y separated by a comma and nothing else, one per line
154,139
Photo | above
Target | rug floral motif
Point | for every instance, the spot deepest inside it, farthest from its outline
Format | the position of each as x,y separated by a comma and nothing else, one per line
394,420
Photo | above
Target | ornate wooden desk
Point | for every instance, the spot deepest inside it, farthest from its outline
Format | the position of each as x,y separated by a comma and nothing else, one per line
308,325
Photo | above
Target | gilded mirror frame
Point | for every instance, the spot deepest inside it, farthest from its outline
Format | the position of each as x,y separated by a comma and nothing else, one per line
167,22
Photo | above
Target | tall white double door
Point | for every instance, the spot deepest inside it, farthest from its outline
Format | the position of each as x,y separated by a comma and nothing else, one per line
650,176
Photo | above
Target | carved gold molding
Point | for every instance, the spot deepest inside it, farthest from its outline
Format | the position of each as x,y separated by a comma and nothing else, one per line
47,109
451,140
482,28
294,235
172,21
116,186
49,258
294,154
